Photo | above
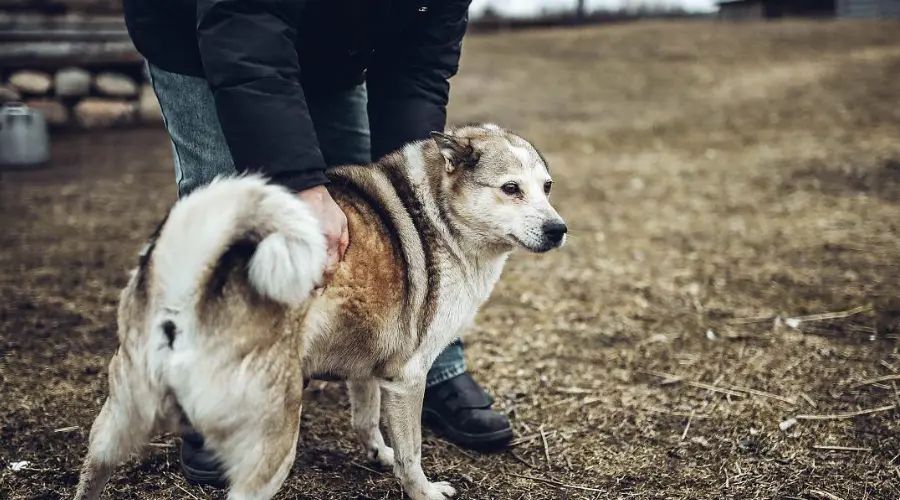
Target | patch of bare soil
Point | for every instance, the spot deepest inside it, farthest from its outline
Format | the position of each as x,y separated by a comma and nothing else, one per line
733,265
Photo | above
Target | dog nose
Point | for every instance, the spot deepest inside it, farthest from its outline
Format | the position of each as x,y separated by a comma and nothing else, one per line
554,231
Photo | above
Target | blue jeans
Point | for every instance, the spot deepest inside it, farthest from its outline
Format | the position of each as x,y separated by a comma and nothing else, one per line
201,153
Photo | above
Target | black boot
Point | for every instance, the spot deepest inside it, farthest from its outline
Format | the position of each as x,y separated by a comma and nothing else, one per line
460,410
198,465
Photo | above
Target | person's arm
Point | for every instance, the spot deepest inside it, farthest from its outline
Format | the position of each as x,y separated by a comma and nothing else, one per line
408,81
248,55
249,58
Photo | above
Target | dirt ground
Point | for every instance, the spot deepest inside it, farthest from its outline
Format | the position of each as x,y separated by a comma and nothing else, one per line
721,181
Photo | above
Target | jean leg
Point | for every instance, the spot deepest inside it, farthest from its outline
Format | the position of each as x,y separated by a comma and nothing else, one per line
189,115
449,363
341,122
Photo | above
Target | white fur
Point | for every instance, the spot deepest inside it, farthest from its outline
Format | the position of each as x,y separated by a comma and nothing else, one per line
415,162
287,264
524,156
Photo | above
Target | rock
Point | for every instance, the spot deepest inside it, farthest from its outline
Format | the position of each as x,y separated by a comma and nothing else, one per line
148,106
94,113
31,82
72,82
787,424
115,85
9,94
55,112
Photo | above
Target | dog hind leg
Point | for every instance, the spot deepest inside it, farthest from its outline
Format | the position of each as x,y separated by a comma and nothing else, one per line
365,410
124,426
258,457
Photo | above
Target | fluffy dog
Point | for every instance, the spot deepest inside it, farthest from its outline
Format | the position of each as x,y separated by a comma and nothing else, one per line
223,320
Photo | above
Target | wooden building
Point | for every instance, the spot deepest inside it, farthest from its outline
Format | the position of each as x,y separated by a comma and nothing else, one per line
772,9
868,9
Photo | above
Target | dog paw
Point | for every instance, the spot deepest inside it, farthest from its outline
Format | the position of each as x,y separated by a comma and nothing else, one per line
384,456
439,491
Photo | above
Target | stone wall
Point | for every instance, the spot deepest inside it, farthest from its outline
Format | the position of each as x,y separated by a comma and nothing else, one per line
73,61
78,98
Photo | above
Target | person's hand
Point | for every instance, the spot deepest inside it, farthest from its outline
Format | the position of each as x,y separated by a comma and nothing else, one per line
334,225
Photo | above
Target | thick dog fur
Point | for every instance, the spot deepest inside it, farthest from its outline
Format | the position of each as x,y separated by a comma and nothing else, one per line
221,322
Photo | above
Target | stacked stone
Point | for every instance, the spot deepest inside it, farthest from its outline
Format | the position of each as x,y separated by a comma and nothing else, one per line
77,98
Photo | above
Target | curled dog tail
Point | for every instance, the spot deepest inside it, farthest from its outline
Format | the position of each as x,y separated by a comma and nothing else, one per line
287,250
289,261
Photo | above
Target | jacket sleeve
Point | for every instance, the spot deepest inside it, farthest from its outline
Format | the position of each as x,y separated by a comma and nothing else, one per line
408,80
248,55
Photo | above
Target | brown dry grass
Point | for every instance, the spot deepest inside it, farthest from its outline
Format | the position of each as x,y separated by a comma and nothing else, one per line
715,176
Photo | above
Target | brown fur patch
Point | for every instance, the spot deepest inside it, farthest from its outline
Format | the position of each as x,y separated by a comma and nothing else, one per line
369,281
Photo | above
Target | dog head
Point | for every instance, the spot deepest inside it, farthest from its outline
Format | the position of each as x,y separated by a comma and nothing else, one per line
498,187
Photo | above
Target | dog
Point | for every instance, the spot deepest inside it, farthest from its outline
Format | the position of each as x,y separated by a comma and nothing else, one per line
226,316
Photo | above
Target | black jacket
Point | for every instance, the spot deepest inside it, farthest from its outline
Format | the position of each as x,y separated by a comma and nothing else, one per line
260,55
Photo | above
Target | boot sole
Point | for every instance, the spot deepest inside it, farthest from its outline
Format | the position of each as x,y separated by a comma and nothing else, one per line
202,477
489,441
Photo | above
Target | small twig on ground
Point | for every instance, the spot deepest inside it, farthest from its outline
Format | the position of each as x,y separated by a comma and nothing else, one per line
678,413
529,438
876,380
699,385
824,495
839,448
68,429
175,482
161,445
546,448
557,483
186,491
808,400
764,394
841,416
795,321
571,399
748,321
728,391
688,426
363,467
522,460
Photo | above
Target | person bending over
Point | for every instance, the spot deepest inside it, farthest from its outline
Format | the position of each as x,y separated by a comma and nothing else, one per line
288,88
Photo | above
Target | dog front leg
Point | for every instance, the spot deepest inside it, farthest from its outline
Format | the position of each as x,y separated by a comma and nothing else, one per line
403,405
365,408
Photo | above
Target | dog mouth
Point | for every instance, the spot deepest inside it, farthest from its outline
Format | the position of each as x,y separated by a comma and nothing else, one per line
545,245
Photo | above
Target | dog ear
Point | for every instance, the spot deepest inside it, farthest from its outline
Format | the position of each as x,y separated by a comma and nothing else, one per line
457,151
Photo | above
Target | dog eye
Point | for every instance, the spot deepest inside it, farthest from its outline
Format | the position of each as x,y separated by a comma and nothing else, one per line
510,188
547,186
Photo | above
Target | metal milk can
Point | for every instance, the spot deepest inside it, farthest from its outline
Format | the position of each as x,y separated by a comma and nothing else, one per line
24,138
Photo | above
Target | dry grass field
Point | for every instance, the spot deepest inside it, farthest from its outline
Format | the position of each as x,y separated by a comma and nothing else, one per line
729,188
